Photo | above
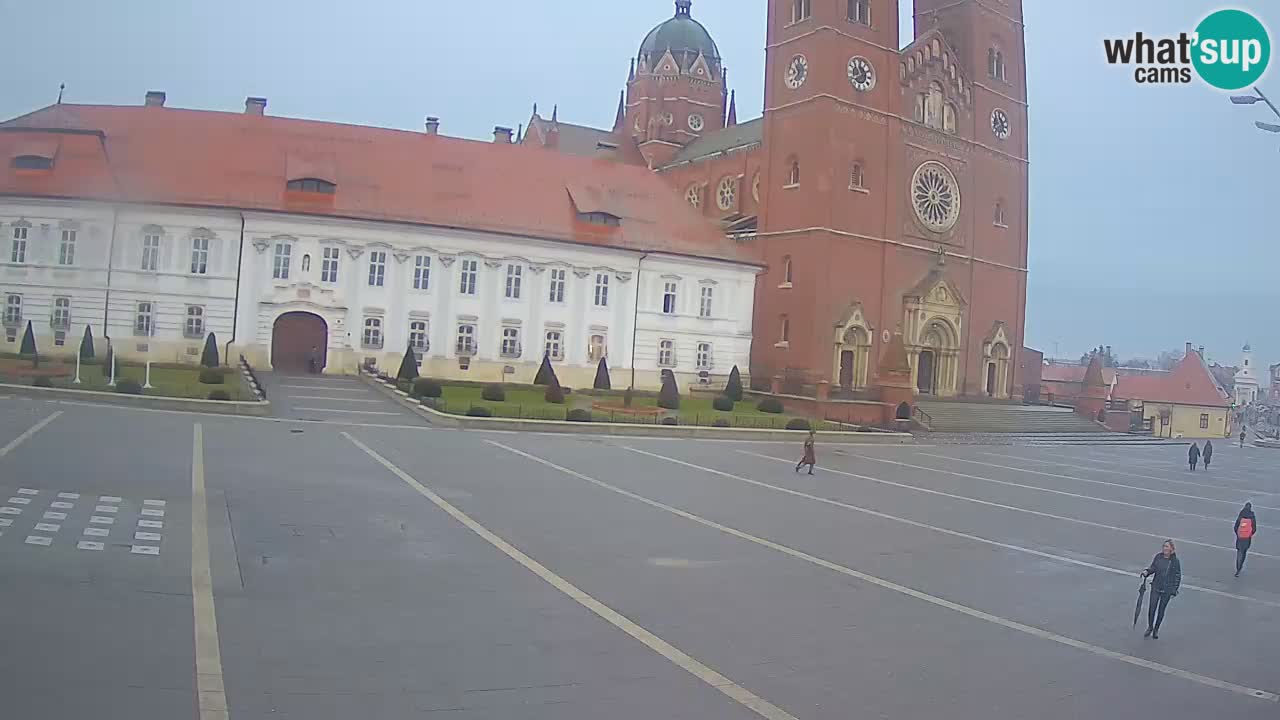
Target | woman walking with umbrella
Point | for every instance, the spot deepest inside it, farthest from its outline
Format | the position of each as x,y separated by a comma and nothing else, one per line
1166,573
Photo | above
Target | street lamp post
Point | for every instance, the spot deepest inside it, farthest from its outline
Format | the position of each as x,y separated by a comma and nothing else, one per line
1257,98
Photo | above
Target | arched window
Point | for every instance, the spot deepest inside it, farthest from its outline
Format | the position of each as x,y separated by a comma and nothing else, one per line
860,11
995,63
800,10
949,118
784,332
312,185
856,177
998,215
793,173
921,100
786,270
933,106
306,263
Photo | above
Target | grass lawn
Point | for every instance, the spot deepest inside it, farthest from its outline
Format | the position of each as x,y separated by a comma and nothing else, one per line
166,381
529,403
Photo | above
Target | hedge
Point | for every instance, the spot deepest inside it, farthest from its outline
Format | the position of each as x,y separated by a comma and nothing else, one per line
579,416
798,424
478,411
212,376
129,386
770,405
724,403
219,395
493,393
427,388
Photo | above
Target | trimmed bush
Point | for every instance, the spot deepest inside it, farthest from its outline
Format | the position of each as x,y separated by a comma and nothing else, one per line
798,424
42,381
545,373
219,395
209,358
733,390
28,347
669,395
427,388
555,393
724,403
86,344
720,423
494,393
602,376
579,416
408,366
212,376
670,421
478,411
770,405
129,386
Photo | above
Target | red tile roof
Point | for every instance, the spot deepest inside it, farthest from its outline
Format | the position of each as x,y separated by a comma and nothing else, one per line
1074,373
1189,383
232,160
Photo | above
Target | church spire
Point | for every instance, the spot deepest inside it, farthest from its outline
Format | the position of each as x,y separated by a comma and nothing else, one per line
620,118
733,109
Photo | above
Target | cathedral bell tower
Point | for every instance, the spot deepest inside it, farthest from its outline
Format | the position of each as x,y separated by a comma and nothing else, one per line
676,87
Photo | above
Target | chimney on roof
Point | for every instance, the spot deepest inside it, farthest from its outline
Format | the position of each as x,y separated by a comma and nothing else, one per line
255,105
1190,348
1201,351
501,135
155,98
433,125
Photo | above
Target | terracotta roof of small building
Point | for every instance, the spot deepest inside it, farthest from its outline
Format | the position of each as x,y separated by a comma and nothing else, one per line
1189,383
199,158
1074,373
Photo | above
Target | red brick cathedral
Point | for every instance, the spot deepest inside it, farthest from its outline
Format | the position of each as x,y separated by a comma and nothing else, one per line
883,190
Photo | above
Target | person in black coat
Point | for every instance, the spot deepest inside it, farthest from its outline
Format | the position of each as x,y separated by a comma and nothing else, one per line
1166,574
1208,453
1246,527
1193,456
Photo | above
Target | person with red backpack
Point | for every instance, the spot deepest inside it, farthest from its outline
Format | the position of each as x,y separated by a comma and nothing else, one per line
1246,528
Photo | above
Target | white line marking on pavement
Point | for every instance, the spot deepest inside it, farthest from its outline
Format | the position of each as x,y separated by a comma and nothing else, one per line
937,529
26,435
55,516
48,527
96,532
912,592
109,499
154,503
106,509
69,496
89,545
5,522
336,399
1079,463
1035,488
146,537
210,691
28,491
6,510
151,512
736,692
344,412
39,540
326,388
102,520
153,524
1014,508
61,505
148,550
19,500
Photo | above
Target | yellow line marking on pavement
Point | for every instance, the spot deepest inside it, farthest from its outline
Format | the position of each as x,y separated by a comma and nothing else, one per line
1035,488
1079,463
27,435
937,529
1002,506
736,692
911,592
1153,491
210,692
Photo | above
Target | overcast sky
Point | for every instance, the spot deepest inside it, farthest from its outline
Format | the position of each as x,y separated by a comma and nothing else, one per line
1149,209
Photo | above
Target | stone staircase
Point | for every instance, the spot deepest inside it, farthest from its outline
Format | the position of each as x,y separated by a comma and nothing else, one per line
1000,418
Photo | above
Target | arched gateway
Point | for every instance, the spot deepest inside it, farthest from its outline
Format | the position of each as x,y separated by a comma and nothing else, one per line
293,336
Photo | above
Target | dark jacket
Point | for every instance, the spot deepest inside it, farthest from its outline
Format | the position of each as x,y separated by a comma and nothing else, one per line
1246,513
1166,574
1194,453
1208,451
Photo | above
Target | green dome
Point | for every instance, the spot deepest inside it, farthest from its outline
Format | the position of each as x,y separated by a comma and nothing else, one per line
685,37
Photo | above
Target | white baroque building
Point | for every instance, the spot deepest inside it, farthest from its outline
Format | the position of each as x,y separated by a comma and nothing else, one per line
292,239
1247,387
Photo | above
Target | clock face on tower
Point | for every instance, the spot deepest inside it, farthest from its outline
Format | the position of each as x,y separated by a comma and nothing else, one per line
797,72
862,74
1000,123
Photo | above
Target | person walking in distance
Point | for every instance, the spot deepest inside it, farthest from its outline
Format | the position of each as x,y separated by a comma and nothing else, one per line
809,458
1246,528
1166,573
313,360
1243,432
1208,453
1193,456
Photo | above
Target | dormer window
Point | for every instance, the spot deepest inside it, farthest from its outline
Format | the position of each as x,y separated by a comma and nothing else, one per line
312,185
32,162
600,218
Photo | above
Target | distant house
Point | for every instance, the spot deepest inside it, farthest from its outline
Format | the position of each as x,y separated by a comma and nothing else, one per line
1185,402
1063,383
